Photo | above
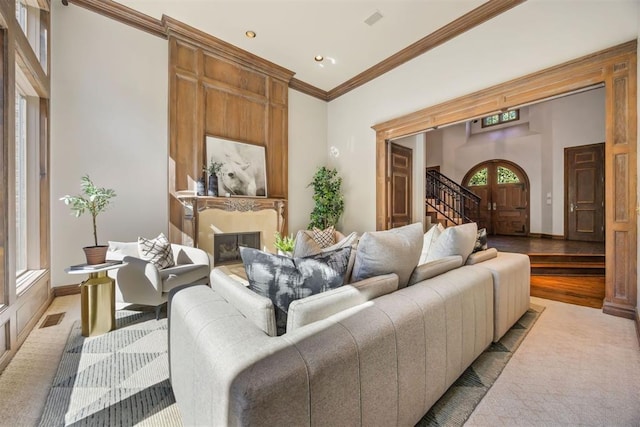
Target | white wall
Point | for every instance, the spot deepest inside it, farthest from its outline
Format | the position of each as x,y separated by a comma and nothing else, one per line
108,119
307,151
532,36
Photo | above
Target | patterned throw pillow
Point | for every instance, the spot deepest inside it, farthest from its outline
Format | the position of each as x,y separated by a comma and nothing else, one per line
326,237
283,279
481,240
157,251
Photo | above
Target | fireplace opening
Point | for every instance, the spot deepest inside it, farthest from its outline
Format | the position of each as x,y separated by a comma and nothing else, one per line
226,246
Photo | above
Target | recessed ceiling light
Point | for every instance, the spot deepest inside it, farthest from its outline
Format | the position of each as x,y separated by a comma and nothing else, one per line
250,34
318,58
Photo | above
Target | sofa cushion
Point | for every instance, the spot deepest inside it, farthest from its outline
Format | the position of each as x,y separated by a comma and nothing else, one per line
184,274
390,251
157,251
320,306
481,256
434,268
118,250
283,279
481,240
429,238
457,240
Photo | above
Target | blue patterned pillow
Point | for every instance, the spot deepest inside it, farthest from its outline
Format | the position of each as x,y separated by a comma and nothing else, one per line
283,279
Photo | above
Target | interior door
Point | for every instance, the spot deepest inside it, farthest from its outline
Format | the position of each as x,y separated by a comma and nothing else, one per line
401,185
584,193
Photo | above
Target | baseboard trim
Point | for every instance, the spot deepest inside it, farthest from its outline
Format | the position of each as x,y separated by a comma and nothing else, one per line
546,236
619,310
62,291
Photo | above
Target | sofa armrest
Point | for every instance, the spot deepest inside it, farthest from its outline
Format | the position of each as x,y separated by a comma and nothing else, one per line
256,308
481,256
434,268
320,306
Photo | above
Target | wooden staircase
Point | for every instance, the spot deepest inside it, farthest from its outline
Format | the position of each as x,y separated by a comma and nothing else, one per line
438,213
449,203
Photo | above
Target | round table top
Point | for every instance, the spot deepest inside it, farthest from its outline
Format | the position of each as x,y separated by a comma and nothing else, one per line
93,269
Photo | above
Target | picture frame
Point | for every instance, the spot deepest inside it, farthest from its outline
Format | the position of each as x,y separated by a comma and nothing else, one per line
244,169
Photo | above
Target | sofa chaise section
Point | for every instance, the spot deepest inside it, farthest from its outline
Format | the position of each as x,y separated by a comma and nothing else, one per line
382,362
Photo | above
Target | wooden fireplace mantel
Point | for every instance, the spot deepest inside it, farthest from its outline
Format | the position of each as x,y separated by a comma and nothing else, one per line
193,205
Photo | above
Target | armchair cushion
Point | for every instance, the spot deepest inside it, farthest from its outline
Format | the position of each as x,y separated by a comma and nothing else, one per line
184,274
157,251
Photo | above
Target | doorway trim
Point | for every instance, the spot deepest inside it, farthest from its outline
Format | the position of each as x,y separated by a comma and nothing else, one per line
513,166
616,69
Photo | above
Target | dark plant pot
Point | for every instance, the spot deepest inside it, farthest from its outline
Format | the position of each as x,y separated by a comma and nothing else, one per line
213,186
95,254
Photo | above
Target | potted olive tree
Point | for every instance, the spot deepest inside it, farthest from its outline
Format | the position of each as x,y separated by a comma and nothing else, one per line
327,195
94,200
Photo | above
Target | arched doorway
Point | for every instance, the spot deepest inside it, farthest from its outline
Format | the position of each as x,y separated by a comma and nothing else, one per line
503,188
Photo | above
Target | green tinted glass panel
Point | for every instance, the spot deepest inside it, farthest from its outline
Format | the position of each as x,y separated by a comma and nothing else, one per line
479,178
506,176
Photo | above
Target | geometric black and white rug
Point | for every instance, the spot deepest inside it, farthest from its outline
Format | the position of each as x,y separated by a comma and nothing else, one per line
120,378
457,404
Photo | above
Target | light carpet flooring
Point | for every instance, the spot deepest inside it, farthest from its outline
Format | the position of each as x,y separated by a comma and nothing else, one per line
577,366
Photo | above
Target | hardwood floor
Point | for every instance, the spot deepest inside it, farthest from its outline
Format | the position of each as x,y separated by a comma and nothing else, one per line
561,270
585,291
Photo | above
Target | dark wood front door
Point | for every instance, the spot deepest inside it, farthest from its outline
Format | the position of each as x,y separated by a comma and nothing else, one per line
503,188
584,193
401,176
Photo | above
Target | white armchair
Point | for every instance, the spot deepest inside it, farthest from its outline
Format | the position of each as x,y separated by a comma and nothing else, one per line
141,282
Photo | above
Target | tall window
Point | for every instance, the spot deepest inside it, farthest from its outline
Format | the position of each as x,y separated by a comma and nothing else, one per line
500,118
21,184
21,15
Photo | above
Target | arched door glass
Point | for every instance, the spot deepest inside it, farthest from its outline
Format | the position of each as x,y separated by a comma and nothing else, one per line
507,176
479,178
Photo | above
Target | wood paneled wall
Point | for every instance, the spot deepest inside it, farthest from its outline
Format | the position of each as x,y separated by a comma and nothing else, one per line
616,68
219,90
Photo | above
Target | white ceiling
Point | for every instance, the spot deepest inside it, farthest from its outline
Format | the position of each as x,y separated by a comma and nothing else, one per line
290,33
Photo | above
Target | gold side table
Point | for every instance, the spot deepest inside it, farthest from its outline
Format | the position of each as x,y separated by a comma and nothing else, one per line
98,299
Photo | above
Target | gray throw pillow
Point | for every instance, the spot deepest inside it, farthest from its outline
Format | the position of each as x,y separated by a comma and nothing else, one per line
391,251
283,279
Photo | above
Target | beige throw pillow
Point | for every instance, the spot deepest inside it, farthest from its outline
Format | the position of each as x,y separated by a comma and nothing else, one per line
458,240
391,251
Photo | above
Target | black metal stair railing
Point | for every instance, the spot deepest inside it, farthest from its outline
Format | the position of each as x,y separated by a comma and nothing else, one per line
450,199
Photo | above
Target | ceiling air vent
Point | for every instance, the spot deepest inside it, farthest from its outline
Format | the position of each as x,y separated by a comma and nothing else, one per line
375,17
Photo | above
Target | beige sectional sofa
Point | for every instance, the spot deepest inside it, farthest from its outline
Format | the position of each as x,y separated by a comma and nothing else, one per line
368,353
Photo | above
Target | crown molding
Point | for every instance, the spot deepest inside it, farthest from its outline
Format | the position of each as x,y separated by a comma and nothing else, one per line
178,29
167,25
308,89
124,14
472,19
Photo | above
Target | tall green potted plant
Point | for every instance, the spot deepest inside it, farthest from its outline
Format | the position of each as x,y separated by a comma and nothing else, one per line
327,195
94,200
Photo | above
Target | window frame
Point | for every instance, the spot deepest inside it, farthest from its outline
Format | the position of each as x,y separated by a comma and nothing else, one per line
500,118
